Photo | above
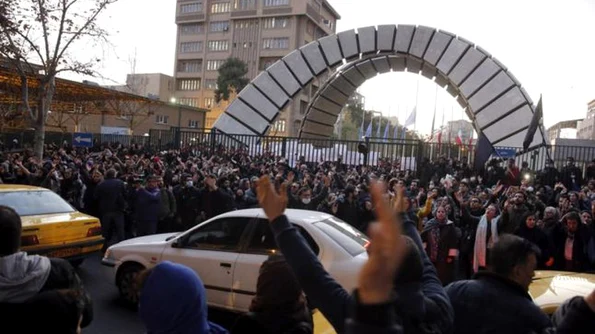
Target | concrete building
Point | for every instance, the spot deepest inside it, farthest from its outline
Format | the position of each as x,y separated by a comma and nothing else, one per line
257,32
157,86
564,129
586,128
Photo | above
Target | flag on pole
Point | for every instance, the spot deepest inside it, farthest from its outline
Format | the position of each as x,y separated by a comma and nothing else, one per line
533,126
386,131
379,125
404,133
369,130
459,138
471,140
434,118
360,134
411,119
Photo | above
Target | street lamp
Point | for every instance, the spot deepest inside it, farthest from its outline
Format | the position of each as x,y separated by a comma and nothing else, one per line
174,101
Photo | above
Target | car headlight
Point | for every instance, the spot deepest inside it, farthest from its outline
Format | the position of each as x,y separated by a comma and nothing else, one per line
108,255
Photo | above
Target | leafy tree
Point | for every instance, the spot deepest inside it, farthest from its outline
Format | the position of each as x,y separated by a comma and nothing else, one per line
231,78
37,38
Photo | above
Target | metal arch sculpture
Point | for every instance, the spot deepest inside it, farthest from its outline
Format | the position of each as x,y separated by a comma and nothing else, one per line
494,100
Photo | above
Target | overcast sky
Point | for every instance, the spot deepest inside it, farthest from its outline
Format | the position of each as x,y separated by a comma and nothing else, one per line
548,45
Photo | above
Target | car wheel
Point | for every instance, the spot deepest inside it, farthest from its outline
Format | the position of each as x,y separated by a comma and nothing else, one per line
127,282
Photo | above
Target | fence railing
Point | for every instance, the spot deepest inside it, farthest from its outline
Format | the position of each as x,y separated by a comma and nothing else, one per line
409,153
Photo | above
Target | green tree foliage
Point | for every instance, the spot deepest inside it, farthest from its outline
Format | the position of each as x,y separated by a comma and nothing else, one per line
232,77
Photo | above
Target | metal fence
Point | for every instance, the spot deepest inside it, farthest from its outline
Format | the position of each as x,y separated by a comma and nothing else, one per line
408,152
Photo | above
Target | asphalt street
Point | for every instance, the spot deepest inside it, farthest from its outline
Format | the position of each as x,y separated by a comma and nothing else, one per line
111,315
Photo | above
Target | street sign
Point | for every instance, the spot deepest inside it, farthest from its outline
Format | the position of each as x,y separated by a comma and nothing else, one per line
505,153
82,140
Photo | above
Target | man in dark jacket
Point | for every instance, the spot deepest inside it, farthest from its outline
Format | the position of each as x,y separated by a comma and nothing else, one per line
572,176
497,301
111,197
23,276
214,200
188,203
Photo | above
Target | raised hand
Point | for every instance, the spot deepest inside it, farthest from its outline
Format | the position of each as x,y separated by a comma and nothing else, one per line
270,201
386,252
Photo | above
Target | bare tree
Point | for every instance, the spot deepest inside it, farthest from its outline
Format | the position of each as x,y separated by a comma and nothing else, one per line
37,37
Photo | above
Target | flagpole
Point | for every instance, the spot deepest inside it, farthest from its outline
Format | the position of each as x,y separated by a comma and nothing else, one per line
416,99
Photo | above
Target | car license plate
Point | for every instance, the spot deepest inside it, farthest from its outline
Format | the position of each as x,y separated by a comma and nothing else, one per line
65,252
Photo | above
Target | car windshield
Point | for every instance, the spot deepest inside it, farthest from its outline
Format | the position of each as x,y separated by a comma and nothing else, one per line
349,238
36,202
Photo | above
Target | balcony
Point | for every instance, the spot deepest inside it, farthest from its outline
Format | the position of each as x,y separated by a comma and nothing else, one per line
182,18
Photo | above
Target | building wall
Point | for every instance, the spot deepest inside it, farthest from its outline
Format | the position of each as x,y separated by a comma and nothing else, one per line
161,117
252,33
152,85
586,128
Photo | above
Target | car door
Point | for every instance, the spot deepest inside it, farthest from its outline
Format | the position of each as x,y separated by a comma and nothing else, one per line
259,246
211,250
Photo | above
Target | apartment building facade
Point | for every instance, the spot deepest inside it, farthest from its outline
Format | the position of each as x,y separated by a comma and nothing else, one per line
586,127
259,32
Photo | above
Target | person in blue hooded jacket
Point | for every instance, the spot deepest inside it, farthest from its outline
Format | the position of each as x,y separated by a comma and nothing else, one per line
173,301
420,302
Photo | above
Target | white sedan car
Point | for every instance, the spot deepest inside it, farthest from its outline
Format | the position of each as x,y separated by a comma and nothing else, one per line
227,251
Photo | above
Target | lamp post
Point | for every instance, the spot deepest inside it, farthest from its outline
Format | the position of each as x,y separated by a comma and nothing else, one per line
177,135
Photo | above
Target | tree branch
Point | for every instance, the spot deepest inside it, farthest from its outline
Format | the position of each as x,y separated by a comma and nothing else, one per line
90,20
43,19
60,30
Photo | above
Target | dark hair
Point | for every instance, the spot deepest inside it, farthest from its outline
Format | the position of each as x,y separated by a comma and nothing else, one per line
111,174
572,215
10,231
509,252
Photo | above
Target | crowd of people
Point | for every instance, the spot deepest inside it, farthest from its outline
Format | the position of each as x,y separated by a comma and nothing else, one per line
462,258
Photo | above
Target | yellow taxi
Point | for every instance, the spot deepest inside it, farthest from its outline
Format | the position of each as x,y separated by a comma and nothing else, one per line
51,226
550,289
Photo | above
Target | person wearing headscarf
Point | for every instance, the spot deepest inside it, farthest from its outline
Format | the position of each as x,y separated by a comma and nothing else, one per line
279,305
441,242
531,232
173,301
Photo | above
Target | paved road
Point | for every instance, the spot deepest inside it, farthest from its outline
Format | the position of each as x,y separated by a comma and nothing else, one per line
112,316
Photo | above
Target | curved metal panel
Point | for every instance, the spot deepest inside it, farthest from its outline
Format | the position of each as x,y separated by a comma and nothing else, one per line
492,97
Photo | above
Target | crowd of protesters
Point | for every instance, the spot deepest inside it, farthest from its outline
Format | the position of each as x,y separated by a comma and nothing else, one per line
496,225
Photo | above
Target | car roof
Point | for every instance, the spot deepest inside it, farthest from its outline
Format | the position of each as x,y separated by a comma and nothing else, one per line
20,187
550,289
294,215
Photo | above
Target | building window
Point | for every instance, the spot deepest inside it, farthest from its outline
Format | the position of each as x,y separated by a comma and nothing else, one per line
209,102
328,23
161,119
244,4
192,7
276,22
273,3
266,62
190,47
192,124
276,43
187,101
217,26
191,29
213,65
280,125
303,107
190,66
220,7
245,24
188,84
218,45
210,84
